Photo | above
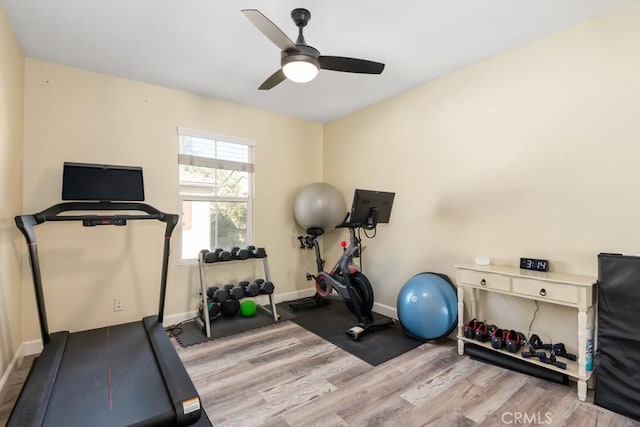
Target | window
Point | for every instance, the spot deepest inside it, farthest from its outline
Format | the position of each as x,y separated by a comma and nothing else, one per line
216,188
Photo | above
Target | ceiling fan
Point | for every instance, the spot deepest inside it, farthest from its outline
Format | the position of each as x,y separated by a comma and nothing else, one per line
299,61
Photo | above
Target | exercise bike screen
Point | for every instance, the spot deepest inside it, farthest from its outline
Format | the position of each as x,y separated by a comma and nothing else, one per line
365,202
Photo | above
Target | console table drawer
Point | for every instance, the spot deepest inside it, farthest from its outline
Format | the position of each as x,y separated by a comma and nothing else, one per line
545,290
484,280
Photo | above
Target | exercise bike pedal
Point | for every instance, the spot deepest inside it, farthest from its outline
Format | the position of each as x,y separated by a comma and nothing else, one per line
361,329
311,277
355,332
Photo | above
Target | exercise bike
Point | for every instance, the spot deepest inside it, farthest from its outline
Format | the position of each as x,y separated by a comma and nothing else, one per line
345,278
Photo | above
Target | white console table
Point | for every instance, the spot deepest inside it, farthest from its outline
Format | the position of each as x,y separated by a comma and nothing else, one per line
568,290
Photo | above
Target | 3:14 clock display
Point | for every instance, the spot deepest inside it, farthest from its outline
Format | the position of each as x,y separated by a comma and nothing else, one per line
534,264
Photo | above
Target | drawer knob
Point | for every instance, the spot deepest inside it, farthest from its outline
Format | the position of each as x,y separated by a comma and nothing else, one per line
543,292
483,282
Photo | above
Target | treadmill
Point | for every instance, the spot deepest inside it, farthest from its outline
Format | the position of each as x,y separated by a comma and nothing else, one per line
128,374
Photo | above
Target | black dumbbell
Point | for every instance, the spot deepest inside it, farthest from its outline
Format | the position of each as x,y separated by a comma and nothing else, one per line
542,356
498,338
229,307
237,253
233,291
222,255
537,343
560,350
210,257
256,252
533,353
551,360
265,287
216,294
469,327
483,332
515,341
251,289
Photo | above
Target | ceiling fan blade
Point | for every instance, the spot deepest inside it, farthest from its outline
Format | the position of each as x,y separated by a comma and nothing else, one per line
350,65
269,29
273,80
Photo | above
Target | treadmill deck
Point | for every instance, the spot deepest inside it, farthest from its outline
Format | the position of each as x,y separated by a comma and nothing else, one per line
110,373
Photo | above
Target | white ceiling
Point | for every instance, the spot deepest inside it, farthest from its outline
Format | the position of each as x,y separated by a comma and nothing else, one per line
209,47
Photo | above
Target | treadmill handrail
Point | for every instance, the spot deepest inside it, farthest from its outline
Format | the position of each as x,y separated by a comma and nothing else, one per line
26,223
53,211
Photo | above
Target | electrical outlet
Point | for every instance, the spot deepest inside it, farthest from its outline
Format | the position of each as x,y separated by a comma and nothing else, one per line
117,305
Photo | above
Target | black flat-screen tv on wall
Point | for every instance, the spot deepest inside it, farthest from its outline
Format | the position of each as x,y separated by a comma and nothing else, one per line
88,181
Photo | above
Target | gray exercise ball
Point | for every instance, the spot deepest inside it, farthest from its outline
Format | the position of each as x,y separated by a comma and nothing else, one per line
319,205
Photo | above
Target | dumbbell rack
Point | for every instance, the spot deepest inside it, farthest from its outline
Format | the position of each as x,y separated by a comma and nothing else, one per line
203,289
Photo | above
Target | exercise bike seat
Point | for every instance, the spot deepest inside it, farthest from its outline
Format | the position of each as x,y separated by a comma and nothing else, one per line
315,232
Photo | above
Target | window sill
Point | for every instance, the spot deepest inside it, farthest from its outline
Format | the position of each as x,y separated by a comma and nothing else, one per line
187,262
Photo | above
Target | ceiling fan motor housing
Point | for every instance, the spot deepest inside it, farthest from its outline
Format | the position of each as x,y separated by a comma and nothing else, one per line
301,53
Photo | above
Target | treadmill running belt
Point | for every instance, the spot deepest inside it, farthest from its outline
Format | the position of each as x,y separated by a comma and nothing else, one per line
111,374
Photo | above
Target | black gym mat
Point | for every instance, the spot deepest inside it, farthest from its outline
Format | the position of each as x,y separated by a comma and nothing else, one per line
330,322
224,327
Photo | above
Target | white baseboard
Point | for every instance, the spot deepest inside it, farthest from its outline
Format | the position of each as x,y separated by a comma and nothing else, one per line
385,310
11,368
293,295
32,347
174,319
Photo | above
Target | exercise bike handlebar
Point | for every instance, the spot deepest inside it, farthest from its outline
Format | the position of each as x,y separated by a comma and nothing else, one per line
344,223
309,241
370,224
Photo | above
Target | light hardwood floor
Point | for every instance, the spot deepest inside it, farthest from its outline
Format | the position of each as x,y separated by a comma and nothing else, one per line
283,375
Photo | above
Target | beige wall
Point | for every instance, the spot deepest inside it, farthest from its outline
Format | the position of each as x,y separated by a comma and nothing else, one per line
531,153
11,113
75,115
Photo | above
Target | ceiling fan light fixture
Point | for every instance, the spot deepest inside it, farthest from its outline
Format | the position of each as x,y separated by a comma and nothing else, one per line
300,68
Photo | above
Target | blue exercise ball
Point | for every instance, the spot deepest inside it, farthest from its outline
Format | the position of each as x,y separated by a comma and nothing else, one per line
428,306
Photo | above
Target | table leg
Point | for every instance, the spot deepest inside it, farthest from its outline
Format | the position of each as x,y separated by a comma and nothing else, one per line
474,304
582,390
460,320
582,341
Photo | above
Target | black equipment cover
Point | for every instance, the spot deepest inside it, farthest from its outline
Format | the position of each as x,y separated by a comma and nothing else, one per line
618,361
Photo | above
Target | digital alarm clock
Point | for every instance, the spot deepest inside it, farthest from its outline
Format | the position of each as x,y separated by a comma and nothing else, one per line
534,264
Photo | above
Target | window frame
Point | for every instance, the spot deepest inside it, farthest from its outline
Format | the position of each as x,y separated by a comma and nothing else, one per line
188,159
